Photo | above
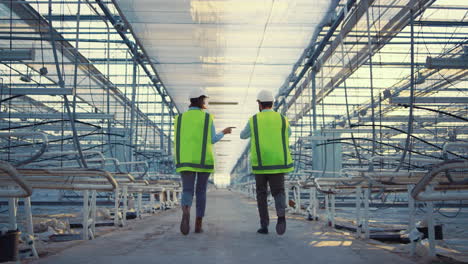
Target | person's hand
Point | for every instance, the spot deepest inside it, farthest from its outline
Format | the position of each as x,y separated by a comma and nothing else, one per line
227,130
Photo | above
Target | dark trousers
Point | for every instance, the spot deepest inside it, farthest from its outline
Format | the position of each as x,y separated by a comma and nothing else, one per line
276,182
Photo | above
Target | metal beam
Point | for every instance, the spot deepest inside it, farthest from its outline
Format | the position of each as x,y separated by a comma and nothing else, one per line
16,54
62,39
395,24
312,61
55,115
155,79
434,119
36,91
440,23
73,18
32,18
447,63
430,100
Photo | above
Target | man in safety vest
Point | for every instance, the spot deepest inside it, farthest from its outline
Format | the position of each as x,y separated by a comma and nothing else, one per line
194,136
270,158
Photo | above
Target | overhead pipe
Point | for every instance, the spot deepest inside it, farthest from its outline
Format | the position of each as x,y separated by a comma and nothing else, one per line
418,191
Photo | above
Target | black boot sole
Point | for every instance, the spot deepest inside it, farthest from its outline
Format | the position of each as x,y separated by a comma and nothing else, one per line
281,228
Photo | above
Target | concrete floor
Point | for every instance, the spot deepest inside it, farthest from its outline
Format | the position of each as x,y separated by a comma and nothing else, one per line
230,237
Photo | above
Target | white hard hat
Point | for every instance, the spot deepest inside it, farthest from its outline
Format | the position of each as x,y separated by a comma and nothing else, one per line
196,93
265,96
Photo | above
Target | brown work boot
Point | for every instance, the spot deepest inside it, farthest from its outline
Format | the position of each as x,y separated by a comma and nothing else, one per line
198,225
185,223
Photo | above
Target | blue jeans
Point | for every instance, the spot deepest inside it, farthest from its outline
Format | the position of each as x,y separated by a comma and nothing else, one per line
188,182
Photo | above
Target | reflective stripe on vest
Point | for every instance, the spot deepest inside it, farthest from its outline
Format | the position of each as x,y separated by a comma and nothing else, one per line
263,161
181,161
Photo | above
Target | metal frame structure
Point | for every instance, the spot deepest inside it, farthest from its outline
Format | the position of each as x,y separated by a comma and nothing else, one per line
384,84
344,72
380,93
115,91
76,98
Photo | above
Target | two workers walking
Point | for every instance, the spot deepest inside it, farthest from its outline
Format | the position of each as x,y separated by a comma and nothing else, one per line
195,135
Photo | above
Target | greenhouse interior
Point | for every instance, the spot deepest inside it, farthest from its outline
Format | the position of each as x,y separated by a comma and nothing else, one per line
345,119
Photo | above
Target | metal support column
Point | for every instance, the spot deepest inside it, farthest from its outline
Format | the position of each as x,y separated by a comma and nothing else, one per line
315,203
12,213
298,201
430,223
30,227
125,205
412,222
116,207
327,209
411,103
140,205
152,202
371,79
314,101
133,110
333,211
85,212
61,83
93,212
366,214
358,211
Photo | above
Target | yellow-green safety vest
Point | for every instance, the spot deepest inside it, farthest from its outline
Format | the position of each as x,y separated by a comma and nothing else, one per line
269,144
193,147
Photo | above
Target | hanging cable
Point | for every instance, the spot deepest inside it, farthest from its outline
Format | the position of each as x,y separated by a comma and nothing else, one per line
10,98
51,122
338,141
436,111
415,137
61,82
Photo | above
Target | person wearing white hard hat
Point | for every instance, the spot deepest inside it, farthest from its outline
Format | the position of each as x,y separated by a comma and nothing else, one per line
270,158
195,135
